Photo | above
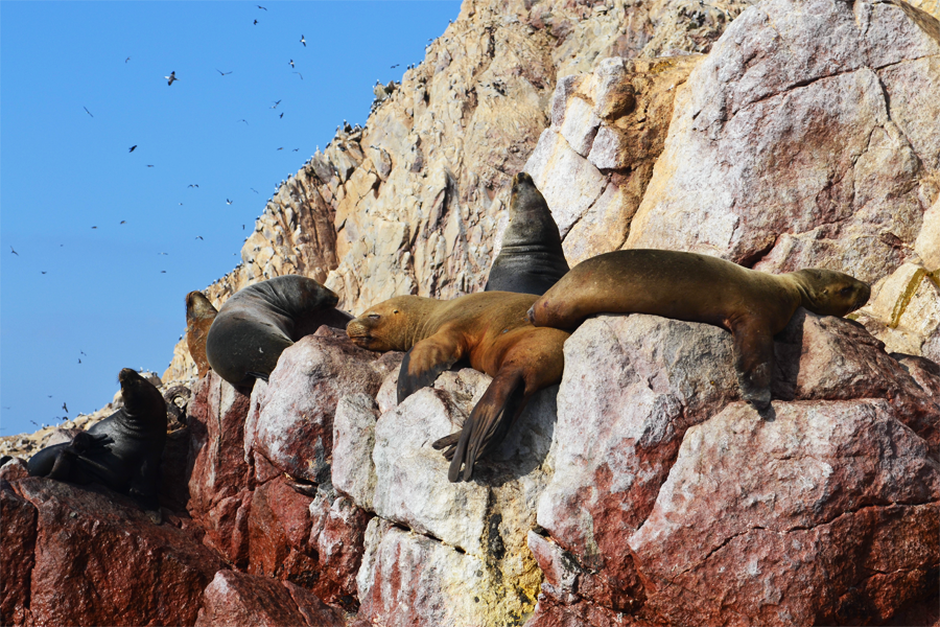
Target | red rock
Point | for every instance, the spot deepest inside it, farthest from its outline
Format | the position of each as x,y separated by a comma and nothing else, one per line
338,537
278,527
826,514
17,547
221,479
291,425
241,599
100,560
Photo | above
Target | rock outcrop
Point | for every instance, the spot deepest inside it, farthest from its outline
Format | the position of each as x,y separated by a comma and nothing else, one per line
641,490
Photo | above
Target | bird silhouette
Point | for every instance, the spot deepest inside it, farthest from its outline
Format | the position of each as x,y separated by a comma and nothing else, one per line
132,148
276,102
193,185
14,252
300,75
123,221
291,63
199,237
245,121
171,78
221,72
87,111
127,59
255,22
282,115
63,404
303,41
261,7
227,201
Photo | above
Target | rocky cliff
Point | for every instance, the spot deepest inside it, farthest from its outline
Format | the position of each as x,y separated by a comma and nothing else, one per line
641,490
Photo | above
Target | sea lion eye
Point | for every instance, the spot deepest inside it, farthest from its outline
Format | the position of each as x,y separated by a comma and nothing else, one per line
394,311
846,291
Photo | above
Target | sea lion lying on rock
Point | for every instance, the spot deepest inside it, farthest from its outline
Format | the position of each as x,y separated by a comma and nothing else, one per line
122,452
256,324
490,330
686,286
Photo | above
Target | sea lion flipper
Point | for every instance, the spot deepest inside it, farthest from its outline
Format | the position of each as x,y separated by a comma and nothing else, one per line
488,421
424,362
753,361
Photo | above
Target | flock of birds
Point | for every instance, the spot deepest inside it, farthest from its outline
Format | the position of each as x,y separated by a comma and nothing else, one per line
172,78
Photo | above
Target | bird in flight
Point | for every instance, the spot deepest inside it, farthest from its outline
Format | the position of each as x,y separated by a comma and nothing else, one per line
193,185
14,252
228,202
127,59
291,63
276,102
245,121
261,7
251,188
300,75
123,221
87,111
221,72
255,22
199,237
303,41
282,115
395,66
149,166
63,404
171,78
131,149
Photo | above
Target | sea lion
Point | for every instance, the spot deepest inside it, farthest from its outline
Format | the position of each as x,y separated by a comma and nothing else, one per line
121,452
752,305
488,329
531,259
199,316
256,324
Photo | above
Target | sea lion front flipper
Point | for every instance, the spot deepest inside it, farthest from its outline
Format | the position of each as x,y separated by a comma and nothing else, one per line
425,361
488,422
753,361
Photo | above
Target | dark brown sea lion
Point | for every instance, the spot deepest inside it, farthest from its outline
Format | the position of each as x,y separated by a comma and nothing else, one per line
488,329
199,316
686,286
122,451
256,324
531,259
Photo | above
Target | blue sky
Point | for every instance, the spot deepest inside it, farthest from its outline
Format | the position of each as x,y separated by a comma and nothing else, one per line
107,247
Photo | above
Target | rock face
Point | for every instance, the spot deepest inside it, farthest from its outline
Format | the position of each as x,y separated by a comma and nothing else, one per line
641,490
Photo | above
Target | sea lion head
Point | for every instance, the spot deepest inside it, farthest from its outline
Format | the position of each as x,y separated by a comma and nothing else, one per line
198,307
141,398
390,325
830,293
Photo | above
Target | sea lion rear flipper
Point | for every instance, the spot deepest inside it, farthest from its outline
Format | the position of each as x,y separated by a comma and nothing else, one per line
424,362
488,422
753,361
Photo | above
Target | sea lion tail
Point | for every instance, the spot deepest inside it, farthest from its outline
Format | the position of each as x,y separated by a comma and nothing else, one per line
488,423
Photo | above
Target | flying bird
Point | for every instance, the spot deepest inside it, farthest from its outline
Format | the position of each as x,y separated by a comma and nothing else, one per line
79,360
282,115
228,202
255,22
171,78
303,41
43,271
295,150
123,221
87,111
199,237
162,271
281,148
291,63
261,7
193,185
63,404
245,121
131,149
300,75
14,252
94,227
395,66
253,189
149,166
276,102
127,59
221,72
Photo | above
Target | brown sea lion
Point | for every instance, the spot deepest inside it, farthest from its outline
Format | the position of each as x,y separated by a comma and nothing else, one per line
199,316
686,286
256,324
122,451
488,329
531,259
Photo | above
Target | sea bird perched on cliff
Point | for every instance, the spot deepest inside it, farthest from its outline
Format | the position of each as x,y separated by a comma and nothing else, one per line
171,78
